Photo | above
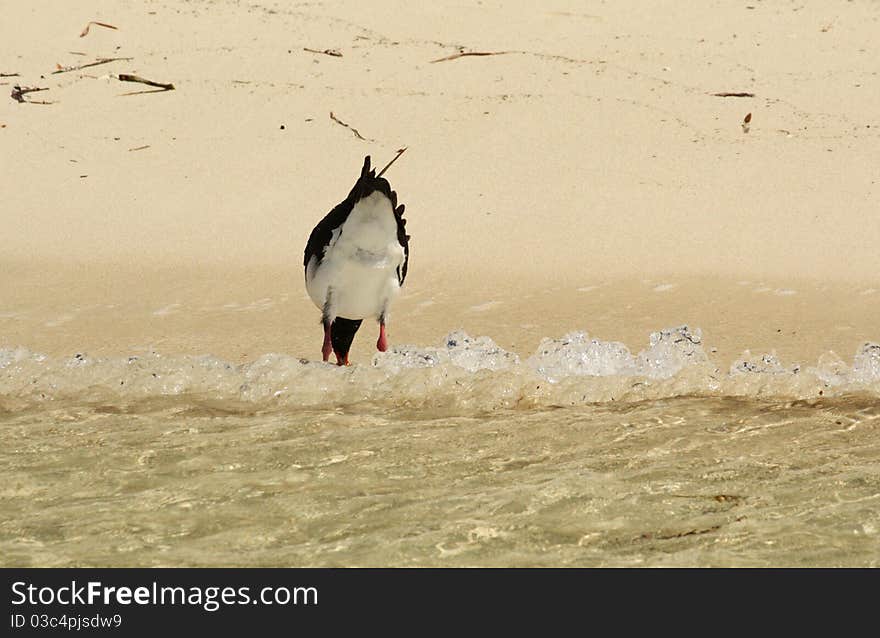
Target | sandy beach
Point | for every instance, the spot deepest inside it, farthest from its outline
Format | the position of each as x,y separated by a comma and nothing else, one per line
615,168
585,177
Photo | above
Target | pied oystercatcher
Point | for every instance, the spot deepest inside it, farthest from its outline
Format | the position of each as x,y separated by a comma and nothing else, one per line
356,260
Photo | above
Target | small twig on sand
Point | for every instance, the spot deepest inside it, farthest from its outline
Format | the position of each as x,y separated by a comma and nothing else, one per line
728,94
85,31
65,69
464,54
357,133
331,52
124,77
139,148
18,93
388,165
8,75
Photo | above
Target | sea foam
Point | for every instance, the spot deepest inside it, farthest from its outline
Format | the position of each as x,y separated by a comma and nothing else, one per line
461,372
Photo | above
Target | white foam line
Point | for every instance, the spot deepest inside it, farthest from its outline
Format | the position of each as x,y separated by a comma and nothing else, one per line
167,310
60,320
483,307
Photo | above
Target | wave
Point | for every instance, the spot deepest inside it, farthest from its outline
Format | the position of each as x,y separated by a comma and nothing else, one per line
463,372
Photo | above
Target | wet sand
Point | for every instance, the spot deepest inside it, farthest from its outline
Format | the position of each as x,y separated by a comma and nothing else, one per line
240,313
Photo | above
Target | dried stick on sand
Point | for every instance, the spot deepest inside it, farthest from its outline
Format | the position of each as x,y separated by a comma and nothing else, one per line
357,133
85,31
65,69
728,94
124,77
331,52
388,165
18,93
464,54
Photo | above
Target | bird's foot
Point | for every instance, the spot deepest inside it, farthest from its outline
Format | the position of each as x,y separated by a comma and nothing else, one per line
327,348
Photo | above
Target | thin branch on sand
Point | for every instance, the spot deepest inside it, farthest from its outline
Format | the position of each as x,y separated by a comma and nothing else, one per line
729,94
85,31
65,69
18,93
464,54
8,75
331,52
124,77
388,165
357,133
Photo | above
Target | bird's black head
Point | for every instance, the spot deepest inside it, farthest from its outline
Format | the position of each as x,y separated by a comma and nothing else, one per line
342,334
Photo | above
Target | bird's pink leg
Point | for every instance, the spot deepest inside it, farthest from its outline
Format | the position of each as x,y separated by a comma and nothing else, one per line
327,348
382,343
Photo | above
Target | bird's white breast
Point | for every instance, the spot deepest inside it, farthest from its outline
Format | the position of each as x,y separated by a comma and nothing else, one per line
360,263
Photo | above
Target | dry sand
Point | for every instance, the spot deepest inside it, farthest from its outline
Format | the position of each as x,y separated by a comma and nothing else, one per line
586,178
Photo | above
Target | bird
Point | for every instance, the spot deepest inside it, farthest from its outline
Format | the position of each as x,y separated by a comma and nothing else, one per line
356,261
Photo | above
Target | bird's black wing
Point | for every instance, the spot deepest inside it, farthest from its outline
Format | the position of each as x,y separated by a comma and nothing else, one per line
323,232
403,238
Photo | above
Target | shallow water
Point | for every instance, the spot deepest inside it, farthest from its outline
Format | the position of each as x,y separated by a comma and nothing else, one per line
581,455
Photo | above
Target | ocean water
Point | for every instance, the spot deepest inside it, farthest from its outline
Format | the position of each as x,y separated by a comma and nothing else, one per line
462,454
